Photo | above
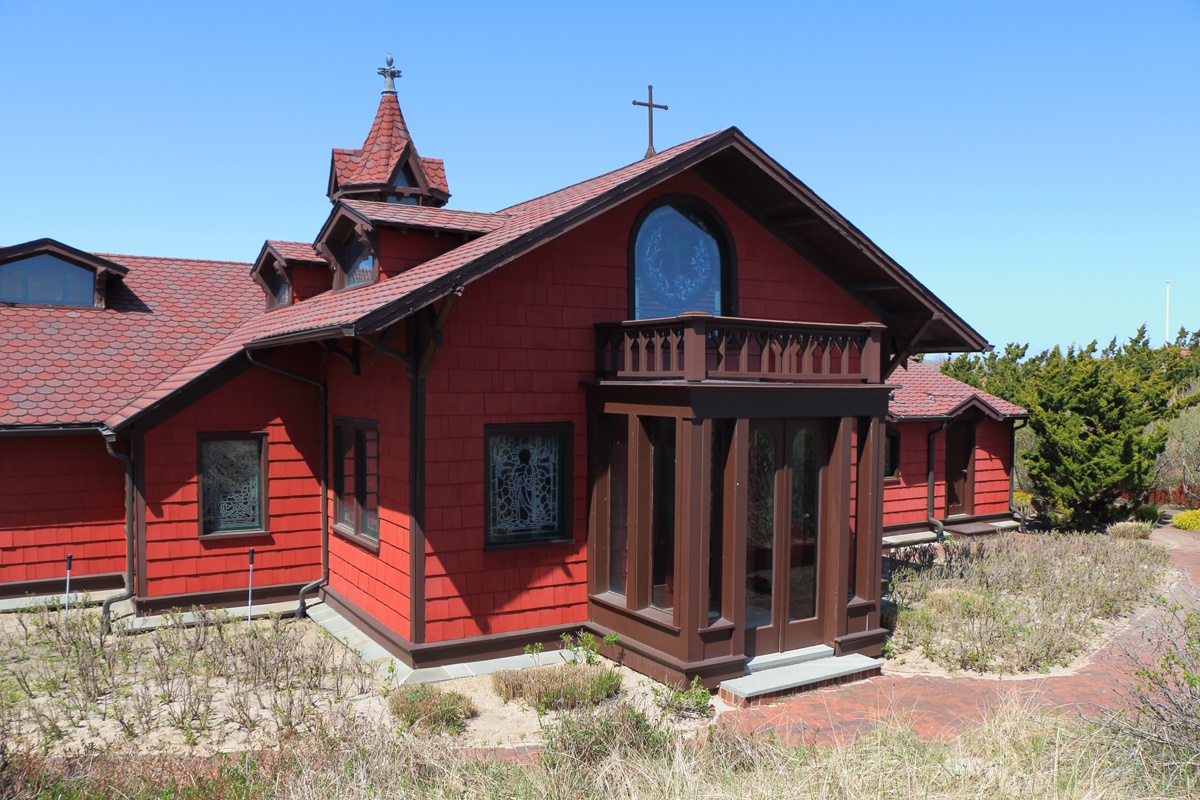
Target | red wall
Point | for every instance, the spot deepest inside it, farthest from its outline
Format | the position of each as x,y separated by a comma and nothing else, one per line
905,500
518,344
378,584
399,251
60,495
309,280
178,560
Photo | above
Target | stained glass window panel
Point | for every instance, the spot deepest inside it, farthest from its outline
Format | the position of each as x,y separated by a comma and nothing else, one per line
526,482
231,476
677,265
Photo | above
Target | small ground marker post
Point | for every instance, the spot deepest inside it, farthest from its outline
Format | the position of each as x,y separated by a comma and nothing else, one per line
67,604
250,591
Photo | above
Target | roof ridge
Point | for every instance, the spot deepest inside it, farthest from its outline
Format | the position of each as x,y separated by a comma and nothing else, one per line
174,259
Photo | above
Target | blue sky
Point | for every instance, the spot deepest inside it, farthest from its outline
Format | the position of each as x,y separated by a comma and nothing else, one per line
1036,165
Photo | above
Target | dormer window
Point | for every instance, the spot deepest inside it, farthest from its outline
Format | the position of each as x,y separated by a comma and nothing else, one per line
49,273
48,281
404,178
680,261
357,262
278,287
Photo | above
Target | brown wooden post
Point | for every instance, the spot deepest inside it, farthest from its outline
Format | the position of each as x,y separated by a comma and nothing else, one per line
641,484
737,479
869,516
872,355
836,530
695,351
691,604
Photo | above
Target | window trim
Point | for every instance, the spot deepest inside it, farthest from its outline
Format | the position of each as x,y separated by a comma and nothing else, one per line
354,533
721,232
891,439
263,483
565,430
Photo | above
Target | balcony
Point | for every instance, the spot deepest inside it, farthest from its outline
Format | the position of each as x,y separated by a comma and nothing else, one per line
701,347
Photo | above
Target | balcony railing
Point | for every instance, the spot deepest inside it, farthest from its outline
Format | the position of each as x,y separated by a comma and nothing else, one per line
698,347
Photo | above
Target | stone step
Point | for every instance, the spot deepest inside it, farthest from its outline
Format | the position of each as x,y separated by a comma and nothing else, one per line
768,685
773,660
1005,525
905,539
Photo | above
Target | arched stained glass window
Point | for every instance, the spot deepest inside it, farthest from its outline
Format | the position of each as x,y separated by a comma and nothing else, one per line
679,264
47,280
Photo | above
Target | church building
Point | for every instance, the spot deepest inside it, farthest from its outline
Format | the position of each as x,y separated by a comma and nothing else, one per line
674,402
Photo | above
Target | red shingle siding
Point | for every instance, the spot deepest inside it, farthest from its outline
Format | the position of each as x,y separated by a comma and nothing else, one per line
993,466
905,500
60,495
518,344
178,560
378,584
309,280
401,251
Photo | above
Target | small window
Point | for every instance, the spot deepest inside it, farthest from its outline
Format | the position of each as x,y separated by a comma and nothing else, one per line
528,483
679,264
47,280
357,262
278,287
891,455
405,179
233,483
356,478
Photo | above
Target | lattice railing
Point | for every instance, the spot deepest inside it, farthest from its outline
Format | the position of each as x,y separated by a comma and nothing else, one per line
697,347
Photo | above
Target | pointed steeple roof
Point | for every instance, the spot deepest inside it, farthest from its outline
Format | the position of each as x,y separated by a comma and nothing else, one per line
387,167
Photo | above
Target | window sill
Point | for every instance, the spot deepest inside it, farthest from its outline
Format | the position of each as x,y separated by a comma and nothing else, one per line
225,535
663,620
487,546
357,539
892,480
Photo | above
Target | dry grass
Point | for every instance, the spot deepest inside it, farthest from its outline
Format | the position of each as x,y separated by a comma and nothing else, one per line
1130,530
563,686
66,681
1018,603
1018,752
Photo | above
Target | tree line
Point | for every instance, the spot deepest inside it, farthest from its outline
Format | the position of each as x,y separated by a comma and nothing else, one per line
1100,418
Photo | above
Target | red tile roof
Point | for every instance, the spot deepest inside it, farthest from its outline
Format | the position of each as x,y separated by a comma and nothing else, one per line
443,219
296,251
76,366
925,393
435,173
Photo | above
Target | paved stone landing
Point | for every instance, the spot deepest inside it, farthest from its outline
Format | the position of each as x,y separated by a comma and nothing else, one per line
798,670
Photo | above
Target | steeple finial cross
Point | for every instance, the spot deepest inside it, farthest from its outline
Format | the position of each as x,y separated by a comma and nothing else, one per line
650,106
389,76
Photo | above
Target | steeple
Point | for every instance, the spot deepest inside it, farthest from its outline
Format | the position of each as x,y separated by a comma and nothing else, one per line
387,167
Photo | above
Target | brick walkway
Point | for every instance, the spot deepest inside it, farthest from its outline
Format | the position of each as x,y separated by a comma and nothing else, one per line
940,707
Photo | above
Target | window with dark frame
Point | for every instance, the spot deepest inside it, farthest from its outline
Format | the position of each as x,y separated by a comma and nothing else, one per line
47,280
232,479
356,260
891,455
680,261
527,479
356,478
278,287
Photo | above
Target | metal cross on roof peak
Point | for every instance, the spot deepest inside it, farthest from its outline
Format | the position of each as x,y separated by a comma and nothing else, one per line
389,76
650,106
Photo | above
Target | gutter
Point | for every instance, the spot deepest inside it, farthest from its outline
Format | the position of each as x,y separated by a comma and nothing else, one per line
109,439
934,522
49,430
301,610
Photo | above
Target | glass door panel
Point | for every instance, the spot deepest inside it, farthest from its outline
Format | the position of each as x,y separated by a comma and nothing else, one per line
760,529
802,570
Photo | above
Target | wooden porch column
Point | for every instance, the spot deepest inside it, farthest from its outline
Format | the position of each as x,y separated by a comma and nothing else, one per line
862,633
733,589
694,437
835,515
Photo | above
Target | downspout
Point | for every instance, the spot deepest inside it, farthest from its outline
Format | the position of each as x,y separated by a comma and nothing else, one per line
933,521
1012,476
323,458
109,439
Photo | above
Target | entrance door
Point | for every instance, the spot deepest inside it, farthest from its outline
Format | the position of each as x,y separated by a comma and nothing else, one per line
960,451
783,586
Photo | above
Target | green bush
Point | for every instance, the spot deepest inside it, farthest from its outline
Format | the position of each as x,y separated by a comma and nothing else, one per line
692,701
431,709
1147,512
1187,520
